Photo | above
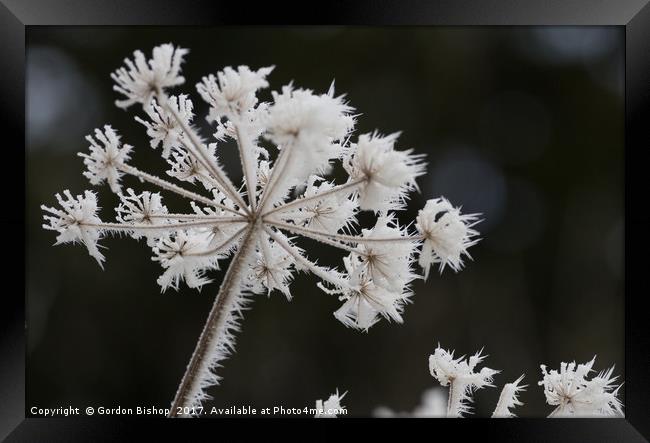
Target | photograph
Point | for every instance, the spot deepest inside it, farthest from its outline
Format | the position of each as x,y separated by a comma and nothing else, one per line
325,221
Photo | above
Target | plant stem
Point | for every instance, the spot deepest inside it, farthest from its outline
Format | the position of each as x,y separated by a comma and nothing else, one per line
161,227
453,403
220,247
248,167
215,327
319,238
164,184
300,202
212,218
317,235
276,172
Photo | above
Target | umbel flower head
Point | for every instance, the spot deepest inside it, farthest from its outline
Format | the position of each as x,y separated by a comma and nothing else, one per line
284,195
447,234
574,395
106,155
141,80
76,221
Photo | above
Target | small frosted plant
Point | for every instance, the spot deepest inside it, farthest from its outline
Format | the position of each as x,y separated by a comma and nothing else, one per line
461,378
284,195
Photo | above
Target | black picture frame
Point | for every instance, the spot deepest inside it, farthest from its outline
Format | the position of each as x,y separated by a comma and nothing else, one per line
633,15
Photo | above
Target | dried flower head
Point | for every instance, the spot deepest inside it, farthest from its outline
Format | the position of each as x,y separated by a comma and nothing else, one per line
447,234
283,195
76,222
102,164
575,395
141,80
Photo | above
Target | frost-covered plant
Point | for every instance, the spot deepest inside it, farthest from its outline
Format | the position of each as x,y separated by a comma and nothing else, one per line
569,389
576,396
283,195
460,375
331,407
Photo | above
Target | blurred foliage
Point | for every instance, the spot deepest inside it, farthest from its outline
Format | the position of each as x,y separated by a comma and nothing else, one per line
524,125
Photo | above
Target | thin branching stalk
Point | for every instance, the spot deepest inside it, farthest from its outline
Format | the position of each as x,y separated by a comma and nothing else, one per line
453,403
276,173
247,166
299,203
211,218
164,184
220,247
321,239
146,227
320,235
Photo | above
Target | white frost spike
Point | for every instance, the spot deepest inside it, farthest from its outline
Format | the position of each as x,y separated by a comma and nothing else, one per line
331,407
232,92
163,128
576,396
75,222
508,399
365,300
273,267
106,155
459,375
181,256
331,213
389,262
309,126
145,209
447,235
140,80
388,174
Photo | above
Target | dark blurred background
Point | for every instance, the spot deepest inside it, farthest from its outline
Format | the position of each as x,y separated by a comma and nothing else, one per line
524,125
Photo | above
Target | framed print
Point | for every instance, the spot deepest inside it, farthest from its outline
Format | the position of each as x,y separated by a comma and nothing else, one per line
422,211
